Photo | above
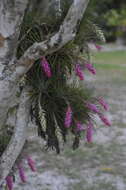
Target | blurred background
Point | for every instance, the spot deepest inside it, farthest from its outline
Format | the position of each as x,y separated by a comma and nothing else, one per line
111,16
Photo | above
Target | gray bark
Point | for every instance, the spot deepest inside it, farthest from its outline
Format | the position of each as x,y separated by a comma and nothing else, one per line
18,138
11,15
11,69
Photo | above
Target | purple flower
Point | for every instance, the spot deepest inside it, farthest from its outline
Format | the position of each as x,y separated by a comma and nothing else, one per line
90,67
104,120
79,72
68,117
22,173
80,126
31,163
89,132
9,182
93,107
103,103
98,47
46,67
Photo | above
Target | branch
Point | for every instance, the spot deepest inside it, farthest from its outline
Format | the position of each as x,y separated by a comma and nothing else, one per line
8,83
66,33
11,16
18,139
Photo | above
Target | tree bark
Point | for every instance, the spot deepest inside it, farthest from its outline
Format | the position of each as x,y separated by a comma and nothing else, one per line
11,69
18,138
11,16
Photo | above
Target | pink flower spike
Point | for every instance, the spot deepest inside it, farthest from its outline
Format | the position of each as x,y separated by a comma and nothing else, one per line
31,163
90,67
22,173
103,103
89,133
93,107
105,120
68,117
80,126
79,72
98,47
46,67
9,182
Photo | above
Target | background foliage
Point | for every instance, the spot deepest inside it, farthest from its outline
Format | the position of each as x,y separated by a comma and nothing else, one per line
111,16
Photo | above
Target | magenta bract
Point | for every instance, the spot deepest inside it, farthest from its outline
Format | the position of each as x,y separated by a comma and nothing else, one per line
90,68
89,133
9,182
93,107
22,173
31,163
46,67
105,120
79,72
98,47
80,126
68,117
103,103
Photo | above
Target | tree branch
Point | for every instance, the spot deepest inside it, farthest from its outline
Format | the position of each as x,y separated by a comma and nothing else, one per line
14,72
18,139
11,16
9,78
9,31
65,34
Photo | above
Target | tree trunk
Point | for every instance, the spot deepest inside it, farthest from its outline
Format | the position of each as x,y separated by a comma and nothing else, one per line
11,69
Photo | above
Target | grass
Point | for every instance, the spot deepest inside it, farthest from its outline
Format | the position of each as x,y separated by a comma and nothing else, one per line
103,185
110,60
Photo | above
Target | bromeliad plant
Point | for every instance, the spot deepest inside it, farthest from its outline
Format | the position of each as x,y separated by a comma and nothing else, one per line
61,101
53,54
60,105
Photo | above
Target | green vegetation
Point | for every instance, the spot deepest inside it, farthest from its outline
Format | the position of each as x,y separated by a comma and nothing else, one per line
110,60
51,94
112,17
